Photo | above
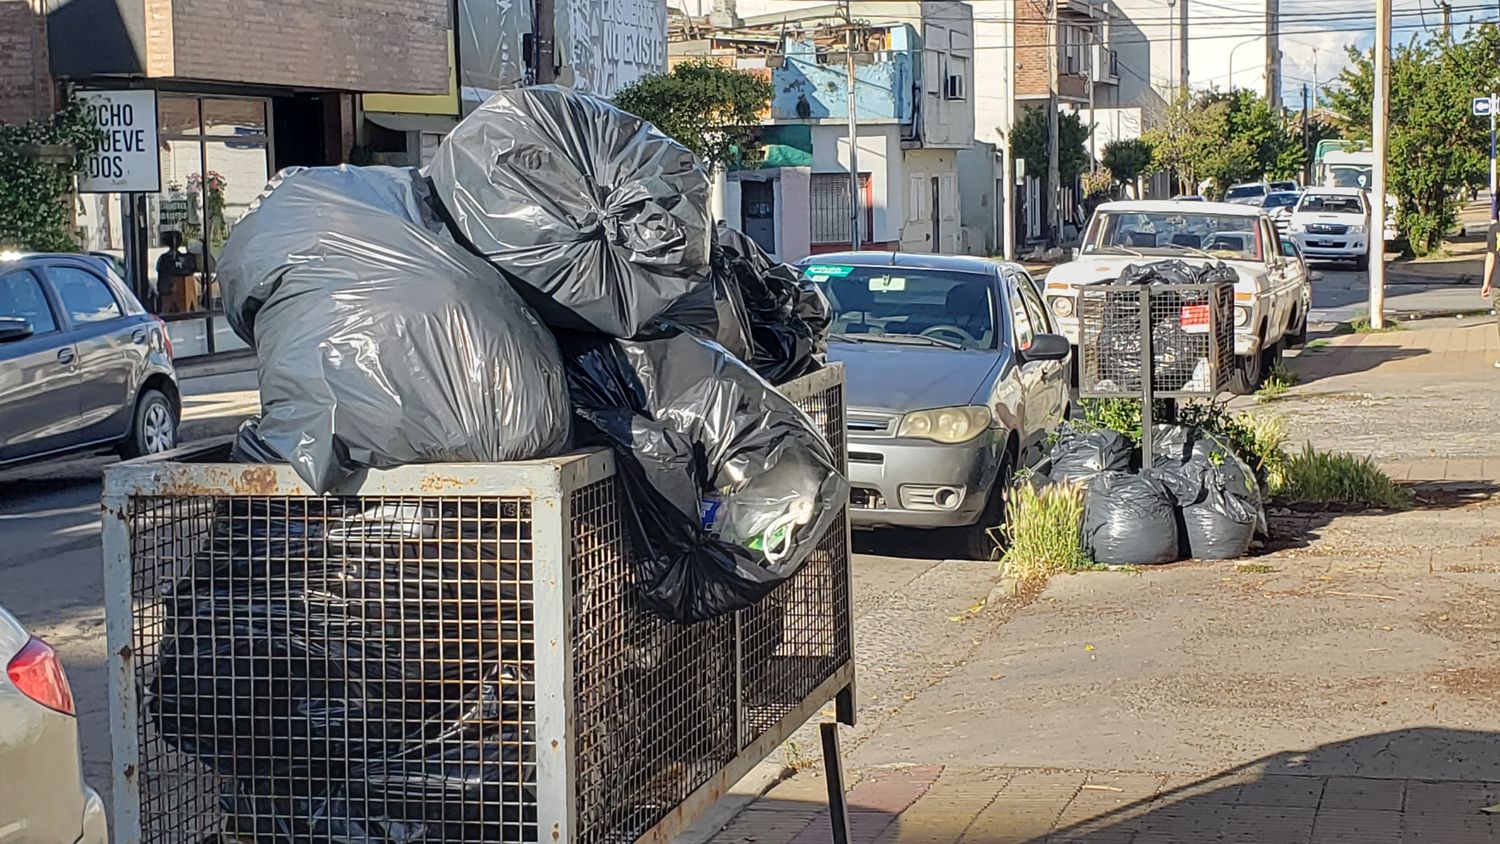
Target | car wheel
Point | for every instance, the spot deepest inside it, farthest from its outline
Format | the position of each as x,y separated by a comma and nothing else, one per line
1249,372
1298,338
1362,263
977,542
154,429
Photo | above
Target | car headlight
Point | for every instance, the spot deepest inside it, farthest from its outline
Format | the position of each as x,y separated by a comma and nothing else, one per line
1062,306
1241,317
945,424
1357,229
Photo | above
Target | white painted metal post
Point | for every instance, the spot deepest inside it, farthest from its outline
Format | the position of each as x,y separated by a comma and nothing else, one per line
855,239
1380,113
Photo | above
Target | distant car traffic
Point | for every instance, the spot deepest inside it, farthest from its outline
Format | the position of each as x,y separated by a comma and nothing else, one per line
956,375
1278,205
88,367
1288,186
1333,224
1247,194
1271,295
1189,198
44,797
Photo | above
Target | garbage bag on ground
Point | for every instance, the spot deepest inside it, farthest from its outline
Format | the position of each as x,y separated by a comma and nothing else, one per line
1220,523
354,675
729,487
733,330
1186,457
788,315
382,342
1078,457
1129,519
601,220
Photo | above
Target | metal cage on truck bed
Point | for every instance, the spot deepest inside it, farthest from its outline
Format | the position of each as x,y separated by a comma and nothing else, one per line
487,676
1183,334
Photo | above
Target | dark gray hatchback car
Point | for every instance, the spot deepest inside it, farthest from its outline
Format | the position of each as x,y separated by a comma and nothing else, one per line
82,365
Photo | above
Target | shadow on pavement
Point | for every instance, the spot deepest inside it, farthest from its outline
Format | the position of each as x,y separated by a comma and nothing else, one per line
1316,363
1298,528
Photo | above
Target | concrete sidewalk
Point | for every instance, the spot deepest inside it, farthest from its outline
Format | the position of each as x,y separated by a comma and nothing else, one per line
1343,686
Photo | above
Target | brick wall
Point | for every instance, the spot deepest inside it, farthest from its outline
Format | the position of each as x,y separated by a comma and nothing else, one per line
352,45
1032,37
25,85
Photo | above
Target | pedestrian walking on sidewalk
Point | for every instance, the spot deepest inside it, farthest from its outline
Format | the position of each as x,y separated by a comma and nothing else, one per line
1492,269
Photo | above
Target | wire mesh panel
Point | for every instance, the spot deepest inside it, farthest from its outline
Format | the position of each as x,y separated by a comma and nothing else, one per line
334,669
1190,329
409,659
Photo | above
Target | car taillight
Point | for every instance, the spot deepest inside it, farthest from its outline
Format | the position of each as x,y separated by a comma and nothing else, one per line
38,674
166,339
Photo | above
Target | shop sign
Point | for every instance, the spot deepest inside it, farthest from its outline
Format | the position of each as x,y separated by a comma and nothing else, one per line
173,214
127,159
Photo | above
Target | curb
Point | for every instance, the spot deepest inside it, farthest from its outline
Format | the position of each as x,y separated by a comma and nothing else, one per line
242,361
756,784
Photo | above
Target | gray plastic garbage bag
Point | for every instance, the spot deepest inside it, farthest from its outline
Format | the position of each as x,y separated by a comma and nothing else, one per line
1129,520
1077,456
381,341
729,487
600,219
1220,523
788,315
1188,458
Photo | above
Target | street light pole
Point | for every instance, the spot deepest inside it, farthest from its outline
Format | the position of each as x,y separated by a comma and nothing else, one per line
855,241
1380,113
1231,59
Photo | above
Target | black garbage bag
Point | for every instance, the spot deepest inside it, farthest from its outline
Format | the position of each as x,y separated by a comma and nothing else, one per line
1188,457
381,341
600,219
1077,457
729,487
788,315
1129,520
354,673
1221,522
732,318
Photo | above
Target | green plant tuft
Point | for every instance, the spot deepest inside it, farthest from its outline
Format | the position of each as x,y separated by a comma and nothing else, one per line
1337,478
1276,384
1044,531
1361,325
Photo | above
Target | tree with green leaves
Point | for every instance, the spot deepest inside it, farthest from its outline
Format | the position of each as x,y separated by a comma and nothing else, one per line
713,110
1437,147
1028,141
1225,138
34,188
1127,160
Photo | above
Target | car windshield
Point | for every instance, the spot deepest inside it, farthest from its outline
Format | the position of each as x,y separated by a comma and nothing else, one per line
1332,204
904,305
1284,186
1350,176
1245,192
1236,237
1280,200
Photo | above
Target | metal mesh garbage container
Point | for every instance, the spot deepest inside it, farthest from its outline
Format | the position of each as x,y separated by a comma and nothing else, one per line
1183,334
440,653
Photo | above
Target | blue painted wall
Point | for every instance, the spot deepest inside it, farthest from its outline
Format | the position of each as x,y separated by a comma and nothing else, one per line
883,89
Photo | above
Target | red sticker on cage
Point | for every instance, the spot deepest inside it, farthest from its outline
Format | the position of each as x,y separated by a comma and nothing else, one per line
1195,319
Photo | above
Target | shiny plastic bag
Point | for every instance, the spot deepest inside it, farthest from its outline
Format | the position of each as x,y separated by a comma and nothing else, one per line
729,487
1129,520
1077,457
354,672
600,219
382,342
788,316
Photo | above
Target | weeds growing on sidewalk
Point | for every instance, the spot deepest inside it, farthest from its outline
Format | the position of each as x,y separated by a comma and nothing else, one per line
1276,384
1337,478
1044,531
1361,325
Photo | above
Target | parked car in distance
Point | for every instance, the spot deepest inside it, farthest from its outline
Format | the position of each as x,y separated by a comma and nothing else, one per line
1279,205
1189,198
89,368
1271,300
1252,193
1288,186
44,797
955,377
1333,224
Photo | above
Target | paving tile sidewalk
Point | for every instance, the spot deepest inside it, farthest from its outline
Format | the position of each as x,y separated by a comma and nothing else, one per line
929,804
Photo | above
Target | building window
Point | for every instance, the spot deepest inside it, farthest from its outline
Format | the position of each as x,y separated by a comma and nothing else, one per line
958,72
829,207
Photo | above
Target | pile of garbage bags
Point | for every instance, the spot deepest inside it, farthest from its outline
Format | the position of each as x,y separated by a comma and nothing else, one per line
1181,319
551,282
1198,499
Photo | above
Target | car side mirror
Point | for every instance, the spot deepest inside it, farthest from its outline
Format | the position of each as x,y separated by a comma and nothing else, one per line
14,328
1047,347
1314,276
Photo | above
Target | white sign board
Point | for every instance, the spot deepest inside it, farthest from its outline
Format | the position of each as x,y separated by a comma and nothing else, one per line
128,159
613,43
1483,106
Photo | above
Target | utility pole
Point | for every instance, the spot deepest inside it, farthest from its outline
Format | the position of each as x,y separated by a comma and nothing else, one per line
1306,141
546,38
855,240
1007,159
1054,190
1095,53
1380,114
1494,196
1447,8
1273,49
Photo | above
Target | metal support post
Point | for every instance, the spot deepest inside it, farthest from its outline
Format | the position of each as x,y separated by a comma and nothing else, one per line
855,241
1380,112
1148,380
833,767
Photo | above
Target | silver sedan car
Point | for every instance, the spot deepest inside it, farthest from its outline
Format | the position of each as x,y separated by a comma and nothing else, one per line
43,797
955,376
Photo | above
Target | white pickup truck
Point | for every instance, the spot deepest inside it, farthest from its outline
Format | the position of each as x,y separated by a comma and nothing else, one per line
1271,297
